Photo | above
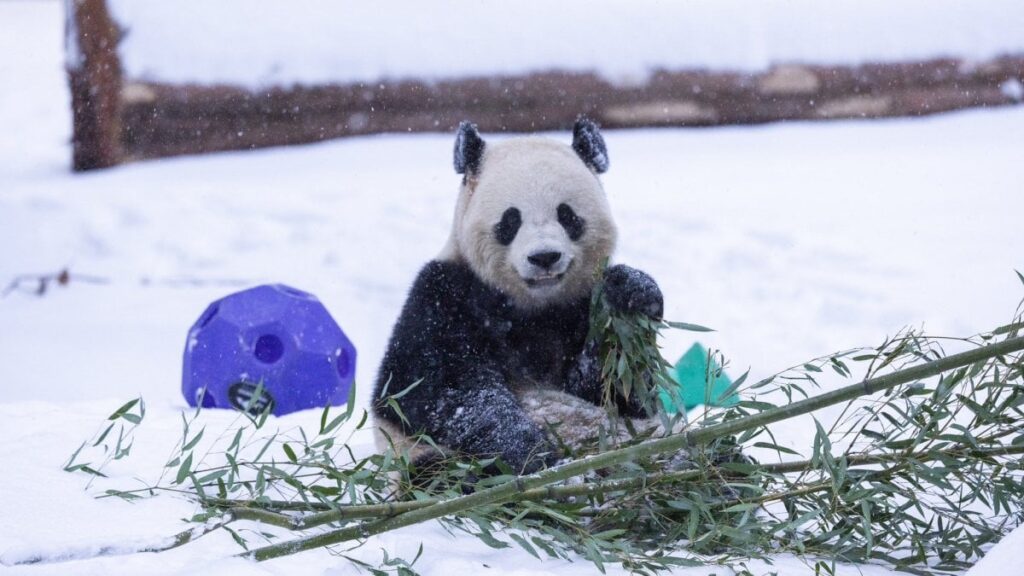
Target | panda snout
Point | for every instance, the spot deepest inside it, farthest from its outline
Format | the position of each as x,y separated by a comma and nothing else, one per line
544,260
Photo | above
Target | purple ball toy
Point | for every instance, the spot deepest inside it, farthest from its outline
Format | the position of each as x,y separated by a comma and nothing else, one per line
272,335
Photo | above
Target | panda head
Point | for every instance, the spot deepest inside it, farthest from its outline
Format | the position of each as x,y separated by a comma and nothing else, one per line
532,219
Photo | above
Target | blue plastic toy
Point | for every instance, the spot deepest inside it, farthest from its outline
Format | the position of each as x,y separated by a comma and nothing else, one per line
273,339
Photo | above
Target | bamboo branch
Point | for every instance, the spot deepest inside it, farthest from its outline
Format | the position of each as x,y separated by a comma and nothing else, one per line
242,510
509,490
246,510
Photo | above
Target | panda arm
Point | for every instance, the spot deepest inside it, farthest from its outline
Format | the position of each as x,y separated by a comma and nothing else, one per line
487,420
462,400
627,290
584,380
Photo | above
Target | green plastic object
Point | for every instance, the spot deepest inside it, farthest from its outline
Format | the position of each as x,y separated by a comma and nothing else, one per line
691,373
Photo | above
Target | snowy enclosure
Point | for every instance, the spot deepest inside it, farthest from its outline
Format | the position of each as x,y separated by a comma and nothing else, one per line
194,76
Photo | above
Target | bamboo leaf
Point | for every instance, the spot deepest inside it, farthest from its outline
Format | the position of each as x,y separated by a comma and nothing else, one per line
289,453
689,327
776,447
192,443
524,544
184,470
123,410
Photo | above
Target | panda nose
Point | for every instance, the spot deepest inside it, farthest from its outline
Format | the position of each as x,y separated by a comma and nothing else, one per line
544,260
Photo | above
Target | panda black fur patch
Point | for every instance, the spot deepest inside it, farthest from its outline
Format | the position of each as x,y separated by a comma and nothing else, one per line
589,145
469,149
506,230
574,225
467,345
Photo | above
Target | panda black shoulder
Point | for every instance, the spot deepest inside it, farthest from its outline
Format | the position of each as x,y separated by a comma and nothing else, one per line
441,277
438,321
421,318
445,285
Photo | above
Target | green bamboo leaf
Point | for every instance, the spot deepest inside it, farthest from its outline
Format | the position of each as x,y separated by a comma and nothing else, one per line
236,442
120,412
546,547
133,418
266,446
211,476
333,424
692,524
323,417
524,544
184,470
261,481
776,447
484,534
192,443
238,539
73,457
728,392
289,453
689,327
103,435
680,504
122,494
742,507
401,394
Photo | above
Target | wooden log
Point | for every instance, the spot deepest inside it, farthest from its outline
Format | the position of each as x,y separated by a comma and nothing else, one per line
117,120
94,74
162,120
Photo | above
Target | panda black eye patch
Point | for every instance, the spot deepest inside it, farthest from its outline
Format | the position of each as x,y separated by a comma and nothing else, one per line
573,224
505,231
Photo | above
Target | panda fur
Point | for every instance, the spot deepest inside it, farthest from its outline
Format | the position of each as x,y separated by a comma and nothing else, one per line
494,329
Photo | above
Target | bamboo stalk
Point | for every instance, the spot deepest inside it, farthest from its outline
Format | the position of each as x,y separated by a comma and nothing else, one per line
390,509
509,490
244,509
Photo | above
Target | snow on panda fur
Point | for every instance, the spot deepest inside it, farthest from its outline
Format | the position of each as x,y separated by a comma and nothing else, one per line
495,328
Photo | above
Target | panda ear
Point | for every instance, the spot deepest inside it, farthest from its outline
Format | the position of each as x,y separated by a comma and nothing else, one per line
589,145
469,149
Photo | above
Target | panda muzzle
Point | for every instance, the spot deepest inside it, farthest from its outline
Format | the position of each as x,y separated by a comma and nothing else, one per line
547,278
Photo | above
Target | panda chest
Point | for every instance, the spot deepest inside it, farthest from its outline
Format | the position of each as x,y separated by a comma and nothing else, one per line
536,353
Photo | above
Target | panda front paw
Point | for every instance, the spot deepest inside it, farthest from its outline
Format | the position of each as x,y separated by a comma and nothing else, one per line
532,453
630,290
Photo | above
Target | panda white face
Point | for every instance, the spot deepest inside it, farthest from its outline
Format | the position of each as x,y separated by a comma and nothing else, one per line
532,221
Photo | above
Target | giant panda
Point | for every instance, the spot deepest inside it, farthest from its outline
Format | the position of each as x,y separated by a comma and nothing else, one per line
493,332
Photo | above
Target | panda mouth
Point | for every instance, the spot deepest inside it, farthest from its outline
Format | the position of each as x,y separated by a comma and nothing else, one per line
546,280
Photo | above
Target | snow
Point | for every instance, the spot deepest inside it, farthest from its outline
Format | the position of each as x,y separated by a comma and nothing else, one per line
1006,558
1013,89
263,42
791,240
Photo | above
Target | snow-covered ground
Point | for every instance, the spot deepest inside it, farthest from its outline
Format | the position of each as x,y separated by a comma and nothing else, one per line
791,240
260,42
